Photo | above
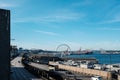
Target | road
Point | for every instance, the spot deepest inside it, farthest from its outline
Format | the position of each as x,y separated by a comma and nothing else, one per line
18,71
82,77
40,66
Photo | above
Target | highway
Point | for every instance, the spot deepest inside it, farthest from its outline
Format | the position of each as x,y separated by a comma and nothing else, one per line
19,73
40,66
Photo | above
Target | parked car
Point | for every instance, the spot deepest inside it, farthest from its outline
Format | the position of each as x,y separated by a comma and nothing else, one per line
96,78
97,66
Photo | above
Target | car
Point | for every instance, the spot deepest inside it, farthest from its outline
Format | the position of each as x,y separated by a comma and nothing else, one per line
12,64
96,78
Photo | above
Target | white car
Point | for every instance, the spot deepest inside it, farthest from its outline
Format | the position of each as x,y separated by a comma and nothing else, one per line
12,64
96,78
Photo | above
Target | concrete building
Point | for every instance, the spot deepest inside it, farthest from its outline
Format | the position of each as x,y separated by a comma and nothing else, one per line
4,44
14,51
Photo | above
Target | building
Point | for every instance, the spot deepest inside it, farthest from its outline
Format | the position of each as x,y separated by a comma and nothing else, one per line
4,44
14,51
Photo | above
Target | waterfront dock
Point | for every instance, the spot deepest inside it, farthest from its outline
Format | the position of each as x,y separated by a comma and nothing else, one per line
94,60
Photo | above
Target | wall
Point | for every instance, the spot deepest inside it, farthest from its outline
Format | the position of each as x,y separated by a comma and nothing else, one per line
104,74
118,77
4,44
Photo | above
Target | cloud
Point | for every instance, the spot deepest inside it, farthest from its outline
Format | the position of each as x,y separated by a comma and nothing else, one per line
58,16
112,16
111,29
108,45
61,18
7,5
114,20
73,45
82,3
53,18
47,33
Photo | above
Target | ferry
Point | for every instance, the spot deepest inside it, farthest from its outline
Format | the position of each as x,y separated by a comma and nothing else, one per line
81,52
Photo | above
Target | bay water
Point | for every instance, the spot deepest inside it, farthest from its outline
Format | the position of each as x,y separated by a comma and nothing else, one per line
102,58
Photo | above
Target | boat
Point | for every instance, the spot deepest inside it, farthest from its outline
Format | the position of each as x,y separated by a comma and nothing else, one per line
81,52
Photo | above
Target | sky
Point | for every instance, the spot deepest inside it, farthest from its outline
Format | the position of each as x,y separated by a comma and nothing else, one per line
45,24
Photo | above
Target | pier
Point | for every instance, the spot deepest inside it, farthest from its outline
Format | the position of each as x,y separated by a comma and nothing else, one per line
94,60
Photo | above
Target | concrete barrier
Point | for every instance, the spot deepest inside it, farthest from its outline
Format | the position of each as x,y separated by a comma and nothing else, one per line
41,70
118,77
104,74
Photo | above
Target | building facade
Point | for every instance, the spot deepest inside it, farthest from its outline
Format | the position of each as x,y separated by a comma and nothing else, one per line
14,51
4,44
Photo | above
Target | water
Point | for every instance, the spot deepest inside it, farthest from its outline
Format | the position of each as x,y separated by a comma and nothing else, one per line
102,58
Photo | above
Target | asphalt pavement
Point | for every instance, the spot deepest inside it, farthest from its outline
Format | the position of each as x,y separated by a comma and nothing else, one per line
19,73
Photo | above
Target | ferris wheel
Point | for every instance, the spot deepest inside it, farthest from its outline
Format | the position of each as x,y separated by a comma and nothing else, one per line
63,49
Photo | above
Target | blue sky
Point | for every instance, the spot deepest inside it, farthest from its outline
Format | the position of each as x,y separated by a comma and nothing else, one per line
45,24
